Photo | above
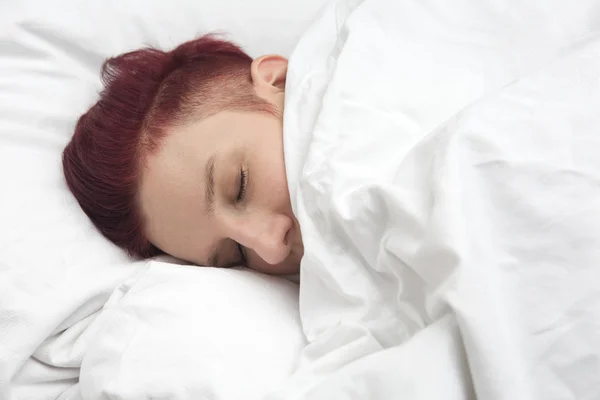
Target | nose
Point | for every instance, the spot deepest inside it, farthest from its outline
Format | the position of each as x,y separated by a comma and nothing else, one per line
266,235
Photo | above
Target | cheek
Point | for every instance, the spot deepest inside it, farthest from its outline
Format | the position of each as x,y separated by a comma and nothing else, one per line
278,189
273,188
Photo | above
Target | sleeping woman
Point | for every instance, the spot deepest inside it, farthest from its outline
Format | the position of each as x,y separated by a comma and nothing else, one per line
442,161
183,154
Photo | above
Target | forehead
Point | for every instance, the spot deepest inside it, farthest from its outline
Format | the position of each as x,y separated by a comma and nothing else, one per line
171,193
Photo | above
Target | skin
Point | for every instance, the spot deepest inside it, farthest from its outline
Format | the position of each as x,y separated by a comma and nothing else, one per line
250,220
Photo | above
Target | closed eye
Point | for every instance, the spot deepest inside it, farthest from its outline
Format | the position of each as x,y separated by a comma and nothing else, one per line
239,199
242,254
243,185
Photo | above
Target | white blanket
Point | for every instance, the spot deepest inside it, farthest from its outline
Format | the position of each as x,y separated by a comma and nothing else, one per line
444,163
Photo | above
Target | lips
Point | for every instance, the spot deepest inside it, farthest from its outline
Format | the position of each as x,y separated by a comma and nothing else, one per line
294,236
299,250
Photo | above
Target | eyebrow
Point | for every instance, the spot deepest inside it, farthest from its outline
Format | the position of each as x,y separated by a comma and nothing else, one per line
214,258
209,188
209,198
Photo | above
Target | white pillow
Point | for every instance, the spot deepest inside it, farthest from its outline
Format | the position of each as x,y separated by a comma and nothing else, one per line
180,332
55,269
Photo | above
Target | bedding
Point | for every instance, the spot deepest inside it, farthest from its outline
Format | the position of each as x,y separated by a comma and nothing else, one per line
184,333
56,271
443,163
442,160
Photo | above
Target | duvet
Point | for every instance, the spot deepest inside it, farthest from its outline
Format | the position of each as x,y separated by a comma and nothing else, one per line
444,163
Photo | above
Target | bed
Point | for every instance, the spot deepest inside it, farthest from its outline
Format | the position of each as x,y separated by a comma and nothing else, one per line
442,162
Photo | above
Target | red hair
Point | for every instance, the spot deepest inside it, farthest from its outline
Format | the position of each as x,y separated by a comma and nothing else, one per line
145,92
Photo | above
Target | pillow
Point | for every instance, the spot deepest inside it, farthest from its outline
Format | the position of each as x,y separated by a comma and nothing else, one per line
55,269
180,332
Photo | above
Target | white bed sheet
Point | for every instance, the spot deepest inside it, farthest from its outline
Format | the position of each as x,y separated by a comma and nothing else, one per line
443,165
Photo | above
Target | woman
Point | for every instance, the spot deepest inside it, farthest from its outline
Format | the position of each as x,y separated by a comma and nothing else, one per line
183,154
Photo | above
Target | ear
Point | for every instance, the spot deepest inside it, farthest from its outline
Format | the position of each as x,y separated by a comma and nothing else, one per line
269,72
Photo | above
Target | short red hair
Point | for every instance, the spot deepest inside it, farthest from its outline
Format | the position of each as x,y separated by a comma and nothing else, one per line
145,92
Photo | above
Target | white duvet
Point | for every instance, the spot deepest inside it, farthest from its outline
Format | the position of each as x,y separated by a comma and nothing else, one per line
444,163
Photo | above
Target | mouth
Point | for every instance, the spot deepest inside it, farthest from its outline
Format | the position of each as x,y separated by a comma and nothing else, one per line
294,238
298,249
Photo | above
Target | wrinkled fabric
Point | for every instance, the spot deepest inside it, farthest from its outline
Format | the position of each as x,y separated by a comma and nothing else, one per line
443,164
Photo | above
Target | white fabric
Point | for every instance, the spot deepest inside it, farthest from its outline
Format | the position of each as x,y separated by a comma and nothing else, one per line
56,271
186,333
443,162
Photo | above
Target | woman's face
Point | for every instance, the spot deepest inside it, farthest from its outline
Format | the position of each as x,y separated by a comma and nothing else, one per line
216,192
